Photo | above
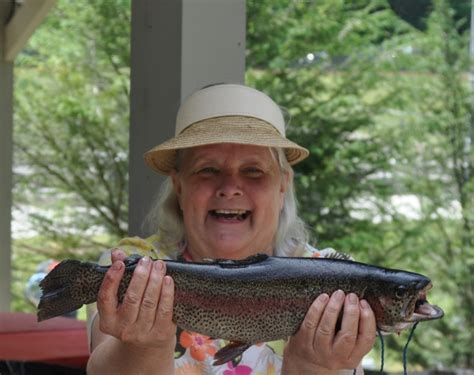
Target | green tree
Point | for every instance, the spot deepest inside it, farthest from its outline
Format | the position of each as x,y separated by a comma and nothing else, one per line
383,108
71,123
437,165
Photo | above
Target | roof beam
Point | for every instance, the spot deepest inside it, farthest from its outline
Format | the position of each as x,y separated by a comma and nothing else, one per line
24,22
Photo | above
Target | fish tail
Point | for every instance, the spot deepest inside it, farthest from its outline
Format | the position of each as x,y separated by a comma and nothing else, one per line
67,287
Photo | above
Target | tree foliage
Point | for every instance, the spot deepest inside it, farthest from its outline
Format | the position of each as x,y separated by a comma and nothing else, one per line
386,112
71,122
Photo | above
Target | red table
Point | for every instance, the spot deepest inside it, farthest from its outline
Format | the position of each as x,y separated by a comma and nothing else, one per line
60,341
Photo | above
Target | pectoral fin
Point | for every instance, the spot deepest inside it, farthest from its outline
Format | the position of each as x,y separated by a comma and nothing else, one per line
229,352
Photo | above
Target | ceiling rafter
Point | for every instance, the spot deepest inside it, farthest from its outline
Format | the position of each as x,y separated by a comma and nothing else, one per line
27,17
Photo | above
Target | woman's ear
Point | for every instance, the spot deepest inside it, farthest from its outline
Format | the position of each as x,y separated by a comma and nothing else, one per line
285,181
176,184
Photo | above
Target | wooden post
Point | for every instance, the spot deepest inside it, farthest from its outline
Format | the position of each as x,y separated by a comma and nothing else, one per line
6,150
178,46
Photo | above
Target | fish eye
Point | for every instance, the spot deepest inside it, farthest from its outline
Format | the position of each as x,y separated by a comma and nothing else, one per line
401,291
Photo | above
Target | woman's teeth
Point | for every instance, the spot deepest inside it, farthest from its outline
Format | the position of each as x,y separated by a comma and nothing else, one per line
230,214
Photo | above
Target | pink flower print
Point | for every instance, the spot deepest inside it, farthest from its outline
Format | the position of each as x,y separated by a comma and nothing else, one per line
239,370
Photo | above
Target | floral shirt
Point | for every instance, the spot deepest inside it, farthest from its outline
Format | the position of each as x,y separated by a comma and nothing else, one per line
194,352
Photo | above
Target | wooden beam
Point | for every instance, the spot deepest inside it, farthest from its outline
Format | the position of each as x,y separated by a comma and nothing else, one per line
6,157
25,21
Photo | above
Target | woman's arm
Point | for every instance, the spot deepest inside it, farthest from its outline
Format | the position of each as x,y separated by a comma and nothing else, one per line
138,335
319,348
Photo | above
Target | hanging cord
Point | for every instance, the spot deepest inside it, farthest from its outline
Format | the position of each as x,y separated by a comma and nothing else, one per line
382,354
405,349
382,351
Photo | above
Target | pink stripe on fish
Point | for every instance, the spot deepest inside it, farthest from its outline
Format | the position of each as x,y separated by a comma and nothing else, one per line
240,305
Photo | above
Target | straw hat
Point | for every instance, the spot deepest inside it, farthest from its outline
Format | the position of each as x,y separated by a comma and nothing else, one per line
225,113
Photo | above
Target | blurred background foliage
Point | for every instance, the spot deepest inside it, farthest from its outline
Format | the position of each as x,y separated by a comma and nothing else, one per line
378,90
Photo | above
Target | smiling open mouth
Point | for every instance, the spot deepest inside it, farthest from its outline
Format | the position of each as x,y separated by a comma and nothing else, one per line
230,214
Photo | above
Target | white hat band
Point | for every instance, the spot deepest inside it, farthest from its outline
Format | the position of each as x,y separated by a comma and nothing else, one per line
228,100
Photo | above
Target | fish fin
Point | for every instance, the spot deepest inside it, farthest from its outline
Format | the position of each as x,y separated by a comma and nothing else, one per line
259,257
231,263
137,243
132,260
337,255
58,289
229,352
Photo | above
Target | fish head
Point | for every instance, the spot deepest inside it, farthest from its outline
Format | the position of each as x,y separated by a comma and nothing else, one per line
400,300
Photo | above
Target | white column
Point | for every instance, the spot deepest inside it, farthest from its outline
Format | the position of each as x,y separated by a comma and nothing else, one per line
178,46
6,125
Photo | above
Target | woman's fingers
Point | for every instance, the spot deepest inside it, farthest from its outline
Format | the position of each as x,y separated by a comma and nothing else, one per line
312,319
367,330
117,254
346,337
330,348
151,296
164,326
326,330
144,317
302,343
107,300
132,300
165,309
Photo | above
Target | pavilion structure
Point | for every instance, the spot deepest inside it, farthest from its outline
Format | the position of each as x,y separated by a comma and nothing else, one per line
177,46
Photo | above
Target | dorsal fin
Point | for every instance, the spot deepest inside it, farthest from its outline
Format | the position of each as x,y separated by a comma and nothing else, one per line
132,260
231,263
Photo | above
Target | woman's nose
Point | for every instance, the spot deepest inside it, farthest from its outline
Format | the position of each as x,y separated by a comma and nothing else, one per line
230,186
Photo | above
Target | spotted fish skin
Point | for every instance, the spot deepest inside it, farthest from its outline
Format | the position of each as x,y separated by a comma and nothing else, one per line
257,299
266,298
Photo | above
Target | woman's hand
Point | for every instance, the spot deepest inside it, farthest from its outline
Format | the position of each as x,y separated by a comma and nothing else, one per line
318,347
144,318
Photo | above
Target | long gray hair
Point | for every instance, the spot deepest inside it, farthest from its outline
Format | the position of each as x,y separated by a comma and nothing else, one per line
166,221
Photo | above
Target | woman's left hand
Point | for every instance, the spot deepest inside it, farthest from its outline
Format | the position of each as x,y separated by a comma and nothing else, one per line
318,347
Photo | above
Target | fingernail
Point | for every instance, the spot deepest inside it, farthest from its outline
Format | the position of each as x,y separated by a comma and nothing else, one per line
117,266
352,299
145,260
364,304
158,265
167,280
116,251
339,295
323,298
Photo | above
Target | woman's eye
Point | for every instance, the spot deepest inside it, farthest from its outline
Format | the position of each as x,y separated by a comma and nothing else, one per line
208,171
253,172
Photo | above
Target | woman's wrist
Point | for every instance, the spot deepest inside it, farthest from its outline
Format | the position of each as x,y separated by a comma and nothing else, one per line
162,352
296,365
113,356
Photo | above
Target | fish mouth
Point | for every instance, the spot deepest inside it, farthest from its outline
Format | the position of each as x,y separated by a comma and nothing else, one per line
230,214
421,309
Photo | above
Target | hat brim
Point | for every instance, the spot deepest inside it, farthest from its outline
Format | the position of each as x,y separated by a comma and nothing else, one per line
225,129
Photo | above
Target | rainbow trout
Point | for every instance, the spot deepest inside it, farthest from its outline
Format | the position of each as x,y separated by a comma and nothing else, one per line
258,299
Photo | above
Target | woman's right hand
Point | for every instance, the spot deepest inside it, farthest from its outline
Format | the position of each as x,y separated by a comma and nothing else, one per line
144,318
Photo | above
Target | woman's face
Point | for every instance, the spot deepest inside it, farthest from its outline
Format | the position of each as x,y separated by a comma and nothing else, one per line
231,197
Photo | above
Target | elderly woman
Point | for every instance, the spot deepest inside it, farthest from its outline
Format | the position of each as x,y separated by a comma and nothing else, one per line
229,195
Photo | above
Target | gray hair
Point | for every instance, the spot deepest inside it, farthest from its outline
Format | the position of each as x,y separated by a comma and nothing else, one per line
165,218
